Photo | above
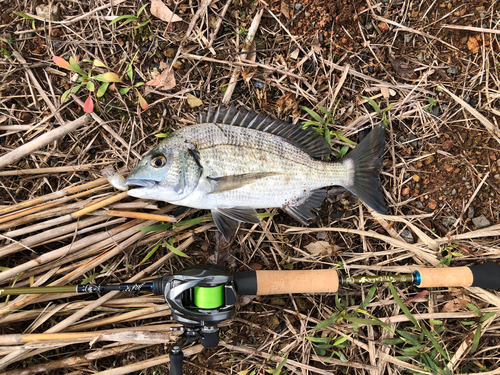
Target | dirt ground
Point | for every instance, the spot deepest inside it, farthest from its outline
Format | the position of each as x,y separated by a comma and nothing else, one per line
432,68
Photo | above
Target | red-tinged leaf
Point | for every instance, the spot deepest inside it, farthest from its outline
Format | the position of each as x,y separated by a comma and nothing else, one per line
99,63
153,82
88,107
111,77
112,87
61,63
142,102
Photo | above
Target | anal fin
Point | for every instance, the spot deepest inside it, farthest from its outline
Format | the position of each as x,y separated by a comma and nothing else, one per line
227,219
307,209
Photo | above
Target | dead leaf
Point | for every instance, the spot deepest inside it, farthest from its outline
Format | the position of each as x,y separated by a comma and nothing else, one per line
163,81
287,102
285,10
160,10
247,74
295,54
385,91
473,45
454,305
193,101
320,248
403,69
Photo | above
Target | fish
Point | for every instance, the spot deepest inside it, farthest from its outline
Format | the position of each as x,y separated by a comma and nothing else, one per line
235,161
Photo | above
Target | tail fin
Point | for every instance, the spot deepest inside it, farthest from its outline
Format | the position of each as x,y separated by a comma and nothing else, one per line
366,159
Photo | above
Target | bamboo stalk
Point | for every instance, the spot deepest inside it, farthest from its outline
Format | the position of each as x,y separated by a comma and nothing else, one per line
43,140
101,204
141,215
76,168
55,195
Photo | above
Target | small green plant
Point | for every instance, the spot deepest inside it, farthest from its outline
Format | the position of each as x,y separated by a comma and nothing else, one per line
321,125
101,81
430,107
322,345
377,109
128,18
450,254
28,18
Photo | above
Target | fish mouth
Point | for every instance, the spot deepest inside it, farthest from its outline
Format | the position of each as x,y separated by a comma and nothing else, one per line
140,182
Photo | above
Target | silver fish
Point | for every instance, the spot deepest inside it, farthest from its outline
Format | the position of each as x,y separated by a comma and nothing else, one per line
236,161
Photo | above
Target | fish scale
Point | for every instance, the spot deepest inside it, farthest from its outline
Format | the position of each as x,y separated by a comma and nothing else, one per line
238,161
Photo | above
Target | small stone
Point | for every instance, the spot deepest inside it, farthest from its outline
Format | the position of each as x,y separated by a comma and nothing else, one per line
448,168
413,140
322,236
371,69
177,65
407,236
259,85
298,6
432,204
452,71
447,145
408,38
454,192
481,222
473,102
416,178
420,57
369,26
405,191
383,27
321,37
496,177
307,14
448,221
419,205
43,11
336,215
193,101
470,212
435,111
429,160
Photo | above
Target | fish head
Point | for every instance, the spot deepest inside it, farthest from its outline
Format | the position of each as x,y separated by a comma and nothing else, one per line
166,173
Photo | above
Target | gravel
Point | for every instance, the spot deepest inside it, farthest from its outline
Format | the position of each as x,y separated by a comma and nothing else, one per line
481,222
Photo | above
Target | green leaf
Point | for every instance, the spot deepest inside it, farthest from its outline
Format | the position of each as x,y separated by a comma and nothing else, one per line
110,77
474,309
322,340
173,249
403,306
435,343
102,89
139,84
280,366
340,340
325,111
475,342
195,221
100,78
346,140
124,90
150,254
24,15
437,322
141,9
487,316
154,228
73,90
369,296
90,86
75,65
88,280
325,323
130,71
373,104
130,17
314,115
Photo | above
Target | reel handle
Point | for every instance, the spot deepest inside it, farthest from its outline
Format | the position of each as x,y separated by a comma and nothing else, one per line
176,358
282,282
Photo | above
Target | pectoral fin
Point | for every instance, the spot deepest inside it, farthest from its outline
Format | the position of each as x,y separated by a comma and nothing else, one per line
228,219
306,210
226,183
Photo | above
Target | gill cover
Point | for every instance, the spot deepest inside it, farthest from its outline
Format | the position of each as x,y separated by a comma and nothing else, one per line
166,173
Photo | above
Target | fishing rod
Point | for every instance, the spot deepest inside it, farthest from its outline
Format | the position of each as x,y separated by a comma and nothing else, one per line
201,297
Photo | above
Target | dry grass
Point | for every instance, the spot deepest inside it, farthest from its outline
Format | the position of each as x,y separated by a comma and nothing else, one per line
62,223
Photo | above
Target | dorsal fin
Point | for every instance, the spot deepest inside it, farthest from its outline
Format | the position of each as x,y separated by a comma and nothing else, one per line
308,139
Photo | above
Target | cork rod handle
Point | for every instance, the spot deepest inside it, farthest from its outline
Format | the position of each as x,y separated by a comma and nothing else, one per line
283,282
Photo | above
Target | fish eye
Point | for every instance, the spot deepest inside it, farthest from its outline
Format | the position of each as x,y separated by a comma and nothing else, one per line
159,161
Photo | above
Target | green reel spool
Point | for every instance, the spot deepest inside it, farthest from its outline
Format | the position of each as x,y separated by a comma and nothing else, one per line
209,297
